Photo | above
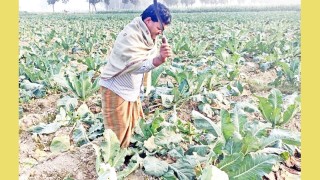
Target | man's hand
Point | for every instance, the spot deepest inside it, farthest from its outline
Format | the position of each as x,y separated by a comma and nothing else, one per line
165,52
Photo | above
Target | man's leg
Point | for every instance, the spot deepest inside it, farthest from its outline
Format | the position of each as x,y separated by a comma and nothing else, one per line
119,115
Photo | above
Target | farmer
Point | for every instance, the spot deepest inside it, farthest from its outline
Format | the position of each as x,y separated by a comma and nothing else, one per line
134,54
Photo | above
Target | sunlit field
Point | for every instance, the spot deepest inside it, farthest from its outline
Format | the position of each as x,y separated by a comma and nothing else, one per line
227,104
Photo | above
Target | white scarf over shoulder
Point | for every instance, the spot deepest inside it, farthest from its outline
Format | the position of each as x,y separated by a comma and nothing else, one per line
133,46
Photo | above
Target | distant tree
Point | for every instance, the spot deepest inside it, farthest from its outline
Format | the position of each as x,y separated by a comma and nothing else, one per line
106,3
53,2
93,3
135,2
188,2
124,2
171,2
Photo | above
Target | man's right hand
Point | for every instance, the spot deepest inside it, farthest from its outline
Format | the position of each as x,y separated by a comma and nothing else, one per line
165,52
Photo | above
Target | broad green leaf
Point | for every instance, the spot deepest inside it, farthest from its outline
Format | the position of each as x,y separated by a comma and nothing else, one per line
206,108
288,114
287,136
239,86
172,74
200,81
169,175
201,150
60,144
257,128
184,169
82,86
119,158
69,83
227,126
218,145
167,136
271,150
176,93
185,127
79,135
234,91
275,98
155,125
178,152
251,143
230,162
145,129
238,118
285,155
111,151
202,122
254,166
95,130
233,145
83,110
184,86
43,128
134,164
155,75
95,86
154,166
266,109
285,67
79,88
276,116
68,102
294,65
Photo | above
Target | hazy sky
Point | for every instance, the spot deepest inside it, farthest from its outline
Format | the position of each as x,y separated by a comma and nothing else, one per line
82,5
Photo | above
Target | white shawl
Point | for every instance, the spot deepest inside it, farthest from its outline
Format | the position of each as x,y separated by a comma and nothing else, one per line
133,46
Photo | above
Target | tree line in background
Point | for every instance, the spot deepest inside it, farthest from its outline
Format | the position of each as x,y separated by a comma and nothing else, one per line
122,4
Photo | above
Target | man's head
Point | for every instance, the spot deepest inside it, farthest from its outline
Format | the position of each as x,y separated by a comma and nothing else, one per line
150,19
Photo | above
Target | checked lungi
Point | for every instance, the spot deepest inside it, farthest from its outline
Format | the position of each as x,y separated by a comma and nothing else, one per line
119,115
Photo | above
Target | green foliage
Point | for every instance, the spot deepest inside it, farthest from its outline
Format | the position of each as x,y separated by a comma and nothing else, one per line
154,166
82,86
254,166
155,75
28,91
60,144
244,142
79,135
288,72
45,128
273,111
93,63
110,155
209,54
201,122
